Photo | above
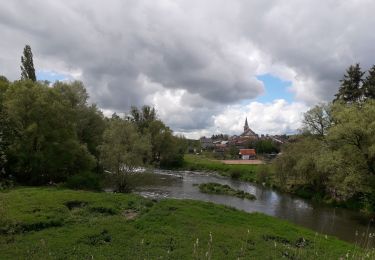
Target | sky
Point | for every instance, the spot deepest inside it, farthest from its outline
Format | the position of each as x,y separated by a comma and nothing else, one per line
204,65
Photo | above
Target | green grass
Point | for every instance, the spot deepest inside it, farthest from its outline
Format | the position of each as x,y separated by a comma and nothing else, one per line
201,163
49,223
217,188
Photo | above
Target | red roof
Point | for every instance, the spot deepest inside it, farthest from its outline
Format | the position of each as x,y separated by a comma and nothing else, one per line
247,152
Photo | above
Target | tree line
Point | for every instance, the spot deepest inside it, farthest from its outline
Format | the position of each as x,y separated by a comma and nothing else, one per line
50,133
333,158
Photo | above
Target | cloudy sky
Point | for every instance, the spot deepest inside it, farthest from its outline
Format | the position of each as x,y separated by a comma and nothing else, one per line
205,65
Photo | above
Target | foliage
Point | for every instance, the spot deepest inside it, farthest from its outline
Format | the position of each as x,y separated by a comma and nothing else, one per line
27,65
369,84
265,146
350,90
338,165
123,151
354,88
90,123
4,130
44,146
317,120
84,181
167,150
263,174
217,188
168,229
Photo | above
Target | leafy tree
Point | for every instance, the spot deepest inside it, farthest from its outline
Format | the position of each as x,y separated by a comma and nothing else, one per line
265,146
369,84
123,150
4,129
90,123
350,90
27,64
45,146
167,150
317,120
355,132
143,117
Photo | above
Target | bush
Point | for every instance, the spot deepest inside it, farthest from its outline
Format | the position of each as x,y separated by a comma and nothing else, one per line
263,174
235,173
84,181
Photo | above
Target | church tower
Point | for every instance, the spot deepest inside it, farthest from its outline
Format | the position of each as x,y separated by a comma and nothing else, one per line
246,126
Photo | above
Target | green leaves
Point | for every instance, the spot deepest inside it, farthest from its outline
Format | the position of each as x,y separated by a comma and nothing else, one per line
337,158
45,146
27,65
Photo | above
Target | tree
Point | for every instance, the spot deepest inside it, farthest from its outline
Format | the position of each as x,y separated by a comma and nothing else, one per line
123,150
5,130
27,64
45,146
142,117
90,123
167,150
317,120
369,84
351,90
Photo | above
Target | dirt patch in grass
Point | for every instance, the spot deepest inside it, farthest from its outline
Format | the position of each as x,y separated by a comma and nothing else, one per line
255,162
73,204
130,214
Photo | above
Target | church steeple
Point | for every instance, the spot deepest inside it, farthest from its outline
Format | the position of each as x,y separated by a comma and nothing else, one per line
246,127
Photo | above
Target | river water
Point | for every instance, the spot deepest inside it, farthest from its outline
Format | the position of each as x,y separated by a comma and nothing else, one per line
345,224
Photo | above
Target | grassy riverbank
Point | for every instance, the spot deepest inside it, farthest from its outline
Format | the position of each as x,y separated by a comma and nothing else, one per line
49,223
202,163
259,174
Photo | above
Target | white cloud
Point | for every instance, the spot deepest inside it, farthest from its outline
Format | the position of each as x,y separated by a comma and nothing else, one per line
277,117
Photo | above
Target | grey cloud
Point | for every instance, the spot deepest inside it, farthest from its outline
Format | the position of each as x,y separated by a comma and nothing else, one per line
189,45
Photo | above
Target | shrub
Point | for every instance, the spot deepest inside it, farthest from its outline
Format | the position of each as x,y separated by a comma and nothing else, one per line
235,173
84,181
263,174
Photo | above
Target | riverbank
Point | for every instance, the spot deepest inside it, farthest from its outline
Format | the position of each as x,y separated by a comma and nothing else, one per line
255,174
50,223
244,172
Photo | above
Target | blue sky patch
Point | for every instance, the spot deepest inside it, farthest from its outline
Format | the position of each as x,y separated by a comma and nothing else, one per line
275,88
51,76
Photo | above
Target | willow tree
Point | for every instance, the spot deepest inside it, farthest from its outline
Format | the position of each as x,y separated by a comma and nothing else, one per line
123,151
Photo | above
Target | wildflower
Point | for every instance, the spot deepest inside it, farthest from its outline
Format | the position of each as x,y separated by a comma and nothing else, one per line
326,237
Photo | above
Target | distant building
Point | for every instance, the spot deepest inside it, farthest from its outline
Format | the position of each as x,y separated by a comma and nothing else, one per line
206,143
247,154
247,132
241,141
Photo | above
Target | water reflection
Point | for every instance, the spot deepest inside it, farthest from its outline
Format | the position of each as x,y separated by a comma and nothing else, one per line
338,222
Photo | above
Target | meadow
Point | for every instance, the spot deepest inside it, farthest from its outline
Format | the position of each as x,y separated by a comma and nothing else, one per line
53,223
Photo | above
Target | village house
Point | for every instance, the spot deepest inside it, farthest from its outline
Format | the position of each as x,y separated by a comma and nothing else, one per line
247,154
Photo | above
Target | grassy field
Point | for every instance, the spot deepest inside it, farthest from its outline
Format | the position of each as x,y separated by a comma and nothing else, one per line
202,163
50,223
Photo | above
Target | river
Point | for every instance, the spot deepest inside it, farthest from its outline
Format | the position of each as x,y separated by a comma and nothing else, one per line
345,224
